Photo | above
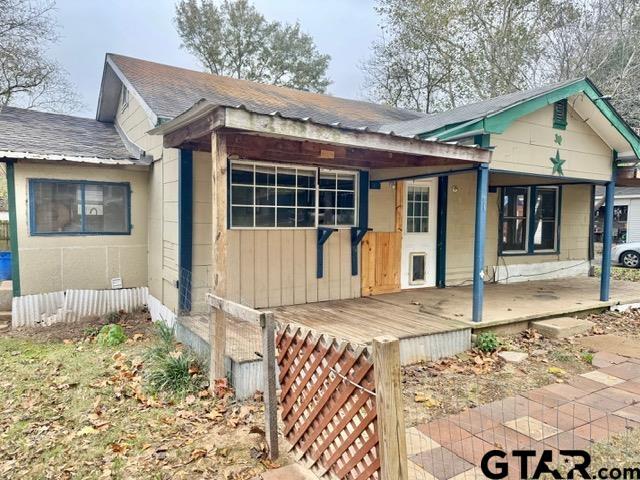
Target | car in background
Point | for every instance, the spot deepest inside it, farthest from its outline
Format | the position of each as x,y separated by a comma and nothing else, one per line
626,254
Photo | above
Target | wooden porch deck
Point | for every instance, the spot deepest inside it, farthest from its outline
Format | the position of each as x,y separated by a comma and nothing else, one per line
359,320
427,314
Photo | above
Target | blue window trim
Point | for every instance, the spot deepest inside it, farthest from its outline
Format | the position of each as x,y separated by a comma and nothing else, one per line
32,214
530,222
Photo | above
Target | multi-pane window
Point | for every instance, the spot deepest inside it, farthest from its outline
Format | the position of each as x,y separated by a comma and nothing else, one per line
514,219
337,199
546,219
275,196
68,207
417,209
529,219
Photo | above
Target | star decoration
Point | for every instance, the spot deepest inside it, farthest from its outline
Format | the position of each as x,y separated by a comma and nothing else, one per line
558,139
557,164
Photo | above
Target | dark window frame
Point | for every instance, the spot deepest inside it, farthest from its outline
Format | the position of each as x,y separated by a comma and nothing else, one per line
33,231
531,221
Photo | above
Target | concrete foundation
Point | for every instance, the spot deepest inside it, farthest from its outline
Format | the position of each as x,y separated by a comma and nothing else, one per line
562,327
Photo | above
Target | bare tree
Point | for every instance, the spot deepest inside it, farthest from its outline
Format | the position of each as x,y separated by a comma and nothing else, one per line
28,78
234,39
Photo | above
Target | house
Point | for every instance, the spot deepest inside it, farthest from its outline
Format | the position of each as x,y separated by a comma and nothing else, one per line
626,215
188,183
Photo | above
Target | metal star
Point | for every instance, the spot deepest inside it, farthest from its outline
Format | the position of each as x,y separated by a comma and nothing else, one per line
558,139
557,164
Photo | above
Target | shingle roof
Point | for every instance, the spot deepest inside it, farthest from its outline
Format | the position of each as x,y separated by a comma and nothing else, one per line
469,112
169,91
43,134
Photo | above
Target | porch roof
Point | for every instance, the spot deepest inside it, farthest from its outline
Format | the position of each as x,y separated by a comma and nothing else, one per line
193,129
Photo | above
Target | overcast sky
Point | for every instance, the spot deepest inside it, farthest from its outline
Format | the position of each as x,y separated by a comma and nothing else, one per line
144,28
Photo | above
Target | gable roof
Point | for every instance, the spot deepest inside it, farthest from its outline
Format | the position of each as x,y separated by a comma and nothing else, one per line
39,135
496,114
169,91
472,111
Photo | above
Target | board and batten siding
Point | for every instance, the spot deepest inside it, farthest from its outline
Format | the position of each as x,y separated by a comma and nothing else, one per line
529,142
270,268
163,203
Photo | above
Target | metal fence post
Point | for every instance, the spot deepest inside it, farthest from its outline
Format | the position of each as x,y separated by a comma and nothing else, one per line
390,412
269,383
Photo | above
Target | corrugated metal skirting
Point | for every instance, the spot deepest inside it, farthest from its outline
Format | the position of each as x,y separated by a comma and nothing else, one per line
72,305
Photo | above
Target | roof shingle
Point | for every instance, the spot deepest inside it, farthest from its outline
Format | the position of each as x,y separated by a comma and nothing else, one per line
169,91
40,133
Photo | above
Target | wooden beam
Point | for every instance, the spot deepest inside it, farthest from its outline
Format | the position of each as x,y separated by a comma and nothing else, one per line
269,384
217,327
195,130
400,198
391,428
257,147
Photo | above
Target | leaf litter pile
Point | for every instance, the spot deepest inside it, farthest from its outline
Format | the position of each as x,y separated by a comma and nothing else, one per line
454,384
74,409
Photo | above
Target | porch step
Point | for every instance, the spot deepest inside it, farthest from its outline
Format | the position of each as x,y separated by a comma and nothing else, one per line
562,327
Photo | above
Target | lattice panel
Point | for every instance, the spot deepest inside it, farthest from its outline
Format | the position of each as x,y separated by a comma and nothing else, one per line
328,404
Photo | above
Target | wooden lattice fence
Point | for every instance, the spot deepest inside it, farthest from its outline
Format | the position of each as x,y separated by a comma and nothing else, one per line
328,404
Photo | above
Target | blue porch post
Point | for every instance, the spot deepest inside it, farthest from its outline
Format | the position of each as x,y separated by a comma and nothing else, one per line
482,192
607,240
185,228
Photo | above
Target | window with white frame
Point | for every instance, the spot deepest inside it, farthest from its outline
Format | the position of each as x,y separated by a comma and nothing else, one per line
124,98
288,196
529,219
417,209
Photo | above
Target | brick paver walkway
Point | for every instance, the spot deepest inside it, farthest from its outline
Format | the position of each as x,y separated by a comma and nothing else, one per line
589,408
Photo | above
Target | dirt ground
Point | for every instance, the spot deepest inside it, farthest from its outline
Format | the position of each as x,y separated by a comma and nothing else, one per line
451,385
72,409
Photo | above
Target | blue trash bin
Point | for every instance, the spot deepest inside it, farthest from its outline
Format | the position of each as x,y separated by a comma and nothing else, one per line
5,265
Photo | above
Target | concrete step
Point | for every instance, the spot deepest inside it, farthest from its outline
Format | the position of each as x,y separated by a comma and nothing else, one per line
6,295
562,327
5,316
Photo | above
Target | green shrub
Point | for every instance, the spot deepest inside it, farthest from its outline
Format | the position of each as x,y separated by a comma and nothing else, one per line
170,368
487,342
111,335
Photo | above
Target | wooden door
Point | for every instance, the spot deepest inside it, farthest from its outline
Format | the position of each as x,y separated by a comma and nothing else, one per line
381,252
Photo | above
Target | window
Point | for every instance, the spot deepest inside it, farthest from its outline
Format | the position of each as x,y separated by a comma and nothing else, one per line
59,207
278,196
337,206
124,98
514,219
545,219
417,209
620,218
560,114
529,219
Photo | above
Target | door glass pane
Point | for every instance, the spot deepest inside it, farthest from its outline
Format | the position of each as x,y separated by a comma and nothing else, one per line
418,264
417,209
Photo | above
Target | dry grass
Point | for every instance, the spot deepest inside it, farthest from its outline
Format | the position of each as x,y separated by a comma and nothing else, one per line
75,410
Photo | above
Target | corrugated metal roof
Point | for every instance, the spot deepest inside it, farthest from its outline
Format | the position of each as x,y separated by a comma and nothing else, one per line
39,135
170,91
466,113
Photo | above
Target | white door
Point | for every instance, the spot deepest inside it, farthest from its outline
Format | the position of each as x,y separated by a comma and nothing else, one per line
419,234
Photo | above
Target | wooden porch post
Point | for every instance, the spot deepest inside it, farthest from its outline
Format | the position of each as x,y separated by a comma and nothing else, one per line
482,191
217,324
